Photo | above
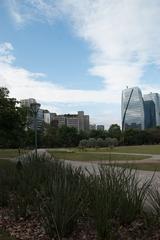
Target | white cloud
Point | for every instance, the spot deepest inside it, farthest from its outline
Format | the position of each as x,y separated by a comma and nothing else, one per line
5,55
24,84
124,37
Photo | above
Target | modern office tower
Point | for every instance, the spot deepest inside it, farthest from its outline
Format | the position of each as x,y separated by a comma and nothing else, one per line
40,119
78,121
155,97
73,121
150,114
27,102
86,122
40,115
83,121
61,120
132,109
58,120
100,127
47,116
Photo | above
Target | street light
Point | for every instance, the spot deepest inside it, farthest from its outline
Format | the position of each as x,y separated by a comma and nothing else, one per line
34,108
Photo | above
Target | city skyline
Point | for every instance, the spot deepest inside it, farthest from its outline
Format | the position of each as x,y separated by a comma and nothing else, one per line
73,55
139,111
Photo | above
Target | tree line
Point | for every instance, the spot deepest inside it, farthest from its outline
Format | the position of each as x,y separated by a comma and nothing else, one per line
13,133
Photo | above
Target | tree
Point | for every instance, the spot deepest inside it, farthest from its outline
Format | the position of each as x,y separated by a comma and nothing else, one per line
115,131
91,142
83,143
67,136
12,121
100,142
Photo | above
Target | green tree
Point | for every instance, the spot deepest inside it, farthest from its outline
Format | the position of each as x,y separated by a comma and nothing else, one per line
67,136
12,121
115,131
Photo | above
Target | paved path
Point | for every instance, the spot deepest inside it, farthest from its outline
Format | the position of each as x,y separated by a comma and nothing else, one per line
94,166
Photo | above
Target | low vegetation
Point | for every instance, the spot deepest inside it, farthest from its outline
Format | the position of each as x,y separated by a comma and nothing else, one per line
5,236
92,156
61,196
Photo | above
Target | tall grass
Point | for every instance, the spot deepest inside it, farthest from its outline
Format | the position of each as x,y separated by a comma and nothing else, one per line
60,195
62,201
115,198
154,201
32,176
7,176
49,188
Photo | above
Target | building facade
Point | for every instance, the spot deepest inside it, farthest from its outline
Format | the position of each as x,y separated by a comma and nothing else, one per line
100,127
132,109
30,120
78,121
150,114
155,98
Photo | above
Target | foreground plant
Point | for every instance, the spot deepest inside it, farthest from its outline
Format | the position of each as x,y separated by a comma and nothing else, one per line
116,197
62,200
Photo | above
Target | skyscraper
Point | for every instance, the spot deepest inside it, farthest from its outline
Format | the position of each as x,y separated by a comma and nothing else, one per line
40,115
150,114
154,97
132,109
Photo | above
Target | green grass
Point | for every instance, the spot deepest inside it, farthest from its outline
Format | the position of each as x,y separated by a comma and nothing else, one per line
5,236
93,156
5,163
11,153
146,149
143,166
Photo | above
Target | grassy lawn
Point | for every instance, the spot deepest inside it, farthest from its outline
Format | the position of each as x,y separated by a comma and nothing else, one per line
143,166
5,163
11,153
5,236
146,149
93,156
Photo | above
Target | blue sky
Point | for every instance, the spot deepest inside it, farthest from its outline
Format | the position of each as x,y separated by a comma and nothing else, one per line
78,55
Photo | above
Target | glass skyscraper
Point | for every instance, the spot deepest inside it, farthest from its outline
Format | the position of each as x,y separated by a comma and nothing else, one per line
154,97
150,114
132,109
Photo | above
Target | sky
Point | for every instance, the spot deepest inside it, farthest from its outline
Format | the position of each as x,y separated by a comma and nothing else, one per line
73,55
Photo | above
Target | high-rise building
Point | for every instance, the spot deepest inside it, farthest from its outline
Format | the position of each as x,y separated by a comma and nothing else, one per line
47,116
92,126
155,97
78,121
132,109
150,114
40,114
27,102
100,127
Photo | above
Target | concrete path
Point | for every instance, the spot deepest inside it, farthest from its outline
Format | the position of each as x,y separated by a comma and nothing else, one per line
94,166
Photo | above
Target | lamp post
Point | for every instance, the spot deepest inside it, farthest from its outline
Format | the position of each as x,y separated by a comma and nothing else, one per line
34,108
